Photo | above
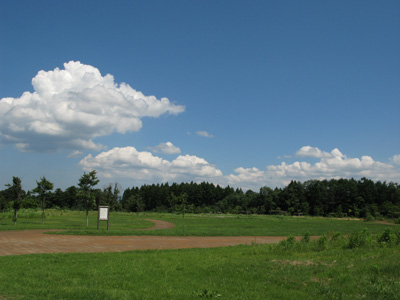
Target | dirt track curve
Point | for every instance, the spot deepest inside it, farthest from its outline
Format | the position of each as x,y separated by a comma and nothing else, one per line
35,241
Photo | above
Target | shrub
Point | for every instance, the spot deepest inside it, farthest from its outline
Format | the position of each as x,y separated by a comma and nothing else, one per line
387,237
288,243
334,236
369,217
322,242
358,239
306,238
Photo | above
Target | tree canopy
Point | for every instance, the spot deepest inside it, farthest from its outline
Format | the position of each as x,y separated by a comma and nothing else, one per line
336,197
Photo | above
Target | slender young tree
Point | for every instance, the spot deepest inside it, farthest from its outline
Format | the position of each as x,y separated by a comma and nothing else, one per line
16,194
43,188
86,183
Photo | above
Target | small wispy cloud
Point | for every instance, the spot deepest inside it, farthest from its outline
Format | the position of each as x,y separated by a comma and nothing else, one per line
75,154
204,134
284,157
166,148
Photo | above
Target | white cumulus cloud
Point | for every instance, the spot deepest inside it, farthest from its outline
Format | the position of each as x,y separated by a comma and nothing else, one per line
396,159
127,162
308,151
330,165
72,106
166,148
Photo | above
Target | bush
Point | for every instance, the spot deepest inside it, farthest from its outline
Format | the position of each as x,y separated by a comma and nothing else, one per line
334,236
387,237
358,239
287,244
30,203
322,242
306,238
369,217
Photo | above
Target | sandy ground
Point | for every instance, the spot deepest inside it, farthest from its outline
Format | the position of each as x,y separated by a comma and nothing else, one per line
35,241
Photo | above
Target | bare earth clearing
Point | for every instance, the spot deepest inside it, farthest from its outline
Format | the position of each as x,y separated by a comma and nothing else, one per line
35,241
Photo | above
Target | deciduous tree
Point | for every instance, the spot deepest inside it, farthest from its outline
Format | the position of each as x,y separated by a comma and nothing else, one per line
16,194
42,189
86,183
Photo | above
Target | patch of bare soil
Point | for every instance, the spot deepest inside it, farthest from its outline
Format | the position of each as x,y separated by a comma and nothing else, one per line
158,224
302,263
35,241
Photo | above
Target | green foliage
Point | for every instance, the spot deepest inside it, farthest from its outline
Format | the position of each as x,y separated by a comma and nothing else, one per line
288,244
29,202
388,238
42,189
322,242
86,183
358,239
15,195
369,217
306,238
335,198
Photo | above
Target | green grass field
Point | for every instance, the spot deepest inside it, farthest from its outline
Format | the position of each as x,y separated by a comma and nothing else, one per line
74,222
345,263
320,270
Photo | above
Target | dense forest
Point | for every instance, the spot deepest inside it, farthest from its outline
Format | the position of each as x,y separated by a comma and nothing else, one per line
336,197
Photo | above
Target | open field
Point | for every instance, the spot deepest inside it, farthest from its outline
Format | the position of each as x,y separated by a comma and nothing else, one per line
347,262
320,270
69,220
191,225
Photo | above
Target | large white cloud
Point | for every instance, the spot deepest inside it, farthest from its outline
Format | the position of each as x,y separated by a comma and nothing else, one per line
143,166
71,107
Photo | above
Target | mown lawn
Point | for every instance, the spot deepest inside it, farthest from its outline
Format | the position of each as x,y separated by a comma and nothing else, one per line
74,222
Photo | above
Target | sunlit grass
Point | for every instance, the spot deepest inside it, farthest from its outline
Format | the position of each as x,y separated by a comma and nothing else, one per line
74,222
289,270
71,220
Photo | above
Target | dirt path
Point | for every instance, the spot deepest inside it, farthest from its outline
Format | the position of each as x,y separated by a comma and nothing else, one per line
35,241
158,224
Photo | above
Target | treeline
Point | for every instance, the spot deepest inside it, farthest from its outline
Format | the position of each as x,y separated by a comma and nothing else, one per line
336,197
343,197
70,198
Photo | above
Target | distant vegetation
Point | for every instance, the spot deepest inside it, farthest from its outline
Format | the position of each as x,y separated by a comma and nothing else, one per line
362,198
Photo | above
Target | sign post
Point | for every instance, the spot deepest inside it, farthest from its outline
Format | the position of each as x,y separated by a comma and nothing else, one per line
104,213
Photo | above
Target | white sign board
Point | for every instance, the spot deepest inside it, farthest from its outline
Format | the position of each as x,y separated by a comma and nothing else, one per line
103,213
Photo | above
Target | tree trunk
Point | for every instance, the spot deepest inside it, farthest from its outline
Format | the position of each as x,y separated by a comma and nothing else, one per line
42,211
15,216
87,218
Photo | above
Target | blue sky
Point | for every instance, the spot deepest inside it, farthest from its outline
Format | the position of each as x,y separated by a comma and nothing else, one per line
245,93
